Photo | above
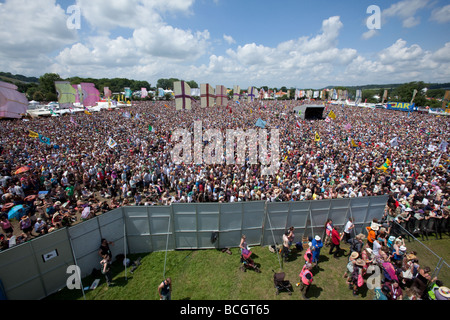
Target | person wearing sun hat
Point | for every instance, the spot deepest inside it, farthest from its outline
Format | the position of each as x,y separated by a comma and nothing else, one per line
317,244
351,261
372,233
443,293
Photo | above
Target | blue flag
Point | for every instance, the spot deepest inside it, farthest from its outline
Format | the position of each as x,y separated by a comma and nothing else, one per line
44,139
260,123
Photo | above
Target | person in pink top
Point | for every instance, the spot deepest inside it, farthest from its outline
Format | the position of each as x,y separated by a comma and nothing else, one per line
6,225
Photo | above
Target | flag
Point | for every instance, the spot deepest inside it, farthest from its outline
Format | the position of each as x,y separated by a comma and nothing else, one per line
260,123
385,96
33,134
443,146
251,94
182,95
151,129
394,142
385,165
414,95
166,106
298,124
332,115
87,112
327,120
354,143
44,139
73,121
436,163
316,137
111,143
348,126
207,95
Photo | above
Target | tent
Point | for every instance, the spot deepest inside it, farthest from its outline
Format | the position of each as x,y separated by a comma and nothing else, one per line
310,112
13,104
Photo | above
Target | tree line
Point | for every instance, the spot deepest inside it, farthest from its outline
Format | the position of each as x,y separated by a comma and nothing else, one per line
43,88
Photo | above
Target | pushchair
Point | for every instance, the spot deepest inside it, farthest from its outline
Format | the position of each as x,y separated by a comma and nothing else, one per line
281,284
247,262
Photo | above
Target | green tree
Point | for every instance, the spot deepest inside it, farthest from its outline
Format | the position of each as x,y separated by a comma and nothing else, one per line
192,84
47,82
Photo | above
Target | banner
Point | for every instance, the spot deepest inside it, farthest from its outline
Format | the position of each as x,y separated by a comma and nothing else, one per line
385,95
221,95
236,93
182,98
106,92
251,94
206,95
446,99
402,106
127,93
144,92
358,96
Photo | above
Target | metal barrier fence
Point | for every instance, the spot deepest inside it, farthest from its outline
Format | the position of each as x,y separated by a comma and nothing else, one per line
38,268
426,230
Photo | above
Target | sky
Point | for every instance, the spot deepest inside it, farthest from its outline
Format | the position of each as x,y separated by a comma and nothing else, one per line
292,43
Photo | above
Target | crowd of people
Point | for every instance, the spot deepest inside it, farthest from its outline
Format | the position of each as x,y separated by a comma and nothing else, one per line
76,175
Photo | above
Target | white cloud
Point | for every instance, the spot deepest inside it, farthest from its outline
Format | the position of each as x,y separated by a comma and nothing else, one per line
406,11
400,52
106,15
229,39
443,54
369,34
441,15
32,28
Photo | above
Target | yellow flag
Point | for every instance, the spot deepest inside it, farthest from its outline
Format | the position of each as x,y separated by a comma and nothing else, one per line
354,143
385,165
332,115
33,134
87,112
317,137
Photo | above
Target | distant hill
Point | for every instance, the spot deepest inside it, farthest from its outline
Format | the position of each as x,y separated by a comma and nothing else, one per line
9,77
392,86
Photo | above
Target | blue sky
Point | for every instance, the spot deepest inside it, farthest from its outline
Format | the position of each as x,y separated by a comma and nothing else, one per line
292,43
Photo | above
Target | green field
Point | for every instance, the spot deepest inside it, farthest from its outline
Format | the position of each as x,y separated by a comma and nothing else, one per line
214,275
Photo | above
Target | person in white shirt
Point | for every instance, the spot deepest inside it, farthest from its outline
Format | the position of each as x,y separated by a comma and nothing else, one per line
347,230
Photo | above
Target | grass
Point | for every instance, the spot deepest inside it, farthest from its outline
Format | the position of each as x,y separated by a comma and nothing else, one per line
213,275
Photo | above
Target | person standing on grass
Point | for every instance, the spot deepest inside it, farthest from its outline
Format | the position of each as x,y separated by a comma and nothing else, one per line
165,289
317,244
335,242
306,279
104,248
328,229
347,230
106,269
